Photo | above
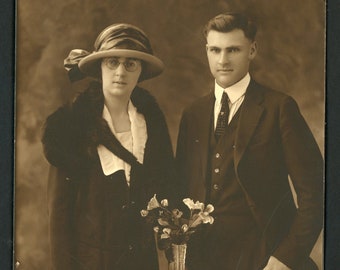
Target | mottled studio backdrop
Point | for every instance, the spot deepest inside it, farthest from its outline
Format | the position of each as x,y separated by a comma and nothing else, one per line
290,59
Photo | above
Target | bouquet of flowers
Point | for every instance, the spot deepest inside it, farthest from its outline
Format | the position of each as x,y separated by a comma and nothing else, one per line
171,226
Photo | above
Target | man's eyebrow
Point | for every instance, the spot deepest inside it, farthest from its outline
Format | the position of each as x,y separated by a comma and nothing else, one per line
228,47
213,47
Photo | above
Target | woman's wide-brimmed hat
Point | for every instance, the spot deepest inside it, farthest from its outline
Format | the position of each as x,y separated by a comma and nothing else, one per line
117,40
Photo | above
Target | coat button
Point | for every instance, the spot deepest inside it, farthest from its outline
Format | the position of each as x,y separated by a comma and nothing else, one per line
216,187
68,178
130,247
133,203
217,155
217,170
124,207
234,146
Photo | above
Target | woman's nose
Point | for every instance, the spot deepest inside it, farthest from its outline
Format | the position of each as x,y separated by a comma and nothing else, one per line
120,70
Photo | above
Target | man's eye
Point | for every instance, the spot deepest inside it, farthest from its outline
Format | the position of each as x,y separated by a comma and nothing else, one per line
214,50
234,50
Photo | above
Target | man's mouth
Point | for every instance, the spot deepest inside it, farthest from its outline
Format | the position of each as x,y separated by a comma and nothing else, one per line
119,82
224,70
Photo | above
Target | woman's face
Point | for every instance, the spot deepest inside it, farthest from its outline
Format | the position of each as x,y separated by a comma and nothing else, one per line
120,76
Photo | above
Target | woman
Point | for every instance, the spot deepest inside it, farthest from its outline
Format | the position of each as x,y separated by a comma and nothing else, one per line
110,152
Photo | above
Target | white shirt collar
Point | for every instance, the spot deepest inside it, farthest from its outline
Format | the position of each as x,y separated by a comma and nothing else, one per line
235,91
110,162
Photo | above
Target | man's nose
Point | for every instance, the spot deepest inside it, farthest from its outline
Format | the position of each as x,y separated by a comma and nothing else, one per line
224,58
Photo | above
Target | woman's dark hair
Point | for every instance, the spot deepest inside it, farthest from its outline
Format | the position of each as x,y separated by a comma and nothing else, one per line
227,22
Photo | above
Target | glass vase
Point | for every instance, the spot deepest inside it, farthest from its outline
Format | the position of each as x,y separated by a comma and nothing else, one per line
179,253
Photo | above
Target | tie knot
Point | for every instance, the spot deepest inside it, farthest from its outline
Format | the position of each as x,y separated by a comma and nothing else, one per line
224,98
224,101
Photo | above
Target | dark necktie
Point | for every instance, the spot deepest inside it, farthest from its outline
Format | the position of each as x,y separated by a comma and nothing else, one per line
222,120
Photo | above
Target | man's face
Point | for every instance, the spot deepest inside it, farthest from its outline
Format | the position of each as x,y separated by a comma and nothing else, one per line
229,55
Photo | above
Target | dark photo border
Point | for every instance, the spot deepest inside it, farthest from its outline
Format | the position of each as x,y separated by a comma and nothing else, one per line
7,95
332,138
7,67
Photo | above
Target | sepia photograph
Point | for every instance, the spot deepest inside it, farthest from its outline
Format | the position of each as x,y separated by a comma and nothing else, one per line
174,134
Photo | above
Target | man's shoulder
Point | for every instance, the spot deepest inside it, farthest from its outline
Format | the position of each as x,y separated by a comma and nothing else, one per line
201,103
266,89
268,94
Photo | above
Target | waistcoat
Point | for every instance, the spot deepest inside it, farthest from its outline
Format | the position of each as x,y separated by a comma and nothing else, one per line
224,190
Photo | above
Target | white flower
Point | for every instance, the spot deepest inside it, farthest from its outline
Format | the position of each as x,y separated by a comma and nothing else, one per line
164,236
202,217
176,213
184,227
163,222
165,203
153,203
166,233
208,219
144,213
192,206
210,208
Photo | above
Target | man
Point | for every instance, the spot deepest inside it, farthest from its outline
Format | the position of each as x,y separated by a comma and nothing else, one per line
236,148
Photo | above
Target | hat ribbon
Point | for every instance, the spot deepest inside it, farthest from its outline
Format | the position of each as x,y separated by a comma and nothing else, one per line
71,64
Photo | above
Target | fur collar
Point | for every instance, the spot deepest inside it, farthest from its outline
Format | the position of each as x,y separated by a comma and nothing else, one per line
72,133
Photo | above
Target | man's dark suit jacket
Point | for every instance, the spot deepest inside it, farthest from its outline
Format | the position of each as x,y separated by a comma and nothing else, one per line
272,142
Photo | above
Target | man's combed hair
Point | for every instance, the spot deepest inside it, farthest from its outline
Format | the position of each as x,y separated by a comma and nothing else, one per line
228,22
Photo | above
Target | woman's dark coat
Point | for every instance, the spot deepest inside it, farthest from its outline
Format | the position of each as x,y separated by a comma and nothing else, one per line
95,220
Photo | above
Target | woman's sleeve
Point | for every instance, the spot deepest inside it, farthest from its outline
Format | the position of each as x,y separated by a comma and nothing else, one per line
61,201
164,158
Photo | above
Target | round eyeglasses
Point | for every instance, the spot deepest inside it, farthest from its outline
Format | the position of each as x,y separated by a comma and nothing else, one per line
130,64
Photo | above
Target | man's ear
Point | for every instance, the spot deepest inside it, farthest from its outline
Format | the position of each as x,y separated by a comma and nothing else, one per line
253,50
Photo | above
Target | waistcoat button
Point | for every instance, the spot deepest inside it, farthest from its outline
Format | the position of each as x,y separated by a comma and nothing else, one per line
217,170
216,187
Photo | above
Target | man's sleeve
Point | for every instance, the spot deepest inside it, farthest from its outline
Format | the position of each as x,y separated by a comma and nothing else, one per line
305,165
181,153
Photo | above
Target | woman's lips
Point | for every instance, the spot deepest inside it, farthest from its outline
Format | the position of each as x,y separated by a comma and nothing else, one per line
119,82
224,70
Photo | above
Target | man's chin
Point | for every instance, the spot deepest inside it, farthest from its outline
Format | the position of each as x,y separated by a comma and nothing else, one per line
225,83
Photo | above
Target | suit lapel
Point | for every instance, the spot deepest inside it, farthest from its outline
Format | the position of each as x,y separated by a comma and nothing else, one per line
251,112
250,115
